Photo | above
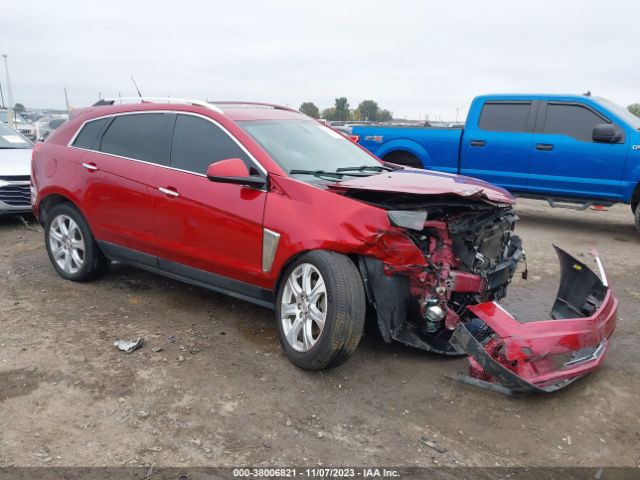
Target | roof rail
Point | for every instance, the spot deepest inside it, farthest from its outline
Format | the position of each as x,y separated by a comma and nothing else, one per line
253,104
187,101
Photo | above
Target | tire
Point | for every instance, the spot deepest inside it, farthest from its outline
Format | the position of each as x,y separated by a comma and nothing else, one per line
74,253
403,158
343,304
637,218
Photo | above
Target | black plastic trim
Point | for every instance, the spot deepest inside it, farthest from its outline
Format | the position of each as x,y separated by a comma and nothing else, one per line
194,276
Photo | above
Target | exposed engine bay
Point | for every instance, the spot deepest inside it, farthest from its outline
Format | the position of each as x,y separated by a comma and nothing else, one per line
448,304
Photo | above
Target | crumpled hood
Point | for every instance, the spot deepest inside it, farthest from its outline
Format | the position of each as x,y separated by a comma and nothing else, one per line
15,161
425,182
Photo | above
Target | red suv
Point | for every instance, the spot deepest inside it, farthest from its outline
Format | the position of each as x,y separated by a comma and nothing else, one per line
267,205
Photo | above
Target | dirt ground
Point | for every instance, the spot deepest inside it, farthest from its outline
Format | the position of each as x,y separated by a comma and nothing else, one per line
224,394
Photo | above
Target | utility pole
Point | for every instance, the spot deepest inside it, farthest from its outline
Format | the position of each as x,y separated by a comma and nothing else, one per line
457,114
1,95
9,93
66,99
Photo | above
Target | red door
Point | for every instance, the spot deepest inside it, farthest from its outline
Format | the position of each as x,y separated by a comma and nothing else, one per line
118,182
211,227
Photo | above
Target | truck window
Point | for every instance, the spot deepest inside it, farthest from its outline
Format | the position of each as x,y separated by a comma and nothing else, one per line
572,120
504,117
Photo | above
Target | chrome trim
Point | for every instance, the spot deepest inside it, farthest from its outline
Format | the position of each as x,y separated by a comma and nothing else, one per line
169,192
88,166
270,240
187,101
179,112
587,358
603,276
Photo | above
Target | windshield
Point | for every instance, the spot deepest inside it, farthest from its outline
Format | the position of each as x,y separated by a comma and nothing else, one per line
12,139
621,112
307,145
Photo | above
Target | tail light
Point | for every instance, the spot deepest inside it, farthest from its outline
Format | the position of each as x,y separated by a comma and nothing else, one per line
354,138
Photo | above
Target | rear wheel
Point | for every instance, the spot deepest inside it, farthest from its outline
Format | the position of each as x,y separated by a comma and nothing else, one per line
403,158
637,217
320,310
71,247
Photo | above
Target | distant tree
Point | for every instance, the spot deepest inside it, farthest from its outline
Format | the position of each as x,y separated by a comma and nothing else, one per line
309,108
19,108
342,109
329,114
368,111
384,116
635,109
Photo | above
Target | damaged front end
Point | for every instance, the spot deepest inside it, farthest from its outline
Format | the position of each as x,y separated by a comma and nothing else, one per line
447,304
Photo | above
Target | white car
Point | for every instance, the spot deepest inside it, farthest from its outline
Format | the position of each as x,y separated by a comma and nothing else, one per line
20,124
15,172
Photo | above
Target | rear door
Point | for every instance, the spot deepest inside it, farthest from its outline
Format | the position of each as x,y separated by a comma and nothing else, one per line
566,160
211,232
118,175
498,147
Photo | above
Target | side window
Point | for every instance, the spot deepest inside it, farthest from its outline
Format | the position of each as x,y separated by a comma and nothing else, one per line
197,143
572,120
89,133
504,117
140,136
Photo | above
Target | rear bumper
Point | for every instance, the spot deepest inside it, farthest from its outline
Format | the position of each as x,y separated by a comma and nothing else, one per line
542,356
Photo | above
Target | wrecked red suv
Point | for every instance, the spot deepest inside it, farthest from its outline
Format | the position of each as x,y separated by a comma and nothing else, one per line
267,205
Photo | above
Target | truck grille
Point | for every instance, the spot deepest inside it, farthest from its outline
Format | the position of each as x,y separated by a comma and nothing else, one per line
16,195
15,178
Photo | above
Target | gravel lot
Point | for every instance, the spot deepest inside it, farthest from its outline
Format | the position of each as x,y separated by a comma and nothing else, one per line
224,394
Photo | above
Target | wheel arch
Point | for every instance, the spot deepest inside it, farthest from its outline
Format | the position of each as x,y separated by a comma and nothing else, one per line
405,146
50,201
635,198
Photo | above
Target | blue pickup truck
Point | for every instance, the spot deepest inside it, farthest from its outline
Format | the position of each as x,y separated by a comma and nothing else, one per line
574,151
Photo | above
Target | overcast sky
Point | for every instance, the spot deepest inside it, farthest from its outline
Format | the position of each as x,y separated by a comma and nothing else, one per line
414,57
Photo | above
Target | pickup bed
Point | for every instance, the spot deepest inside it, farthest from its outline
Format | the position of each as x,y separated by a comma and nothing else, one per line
573,150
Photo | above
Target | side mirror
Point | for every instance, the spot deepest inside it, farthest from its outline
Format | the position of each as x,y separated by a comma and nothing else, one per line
605,133
233,170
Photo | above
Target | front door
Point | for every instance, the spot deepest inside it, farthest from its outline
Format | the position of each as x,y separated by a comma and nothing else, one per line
567,161
211,232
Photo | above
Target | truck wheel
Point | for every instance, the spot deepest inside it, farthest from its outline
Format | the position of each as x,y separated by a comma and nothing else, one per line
404,158
320,310
637,217
71,247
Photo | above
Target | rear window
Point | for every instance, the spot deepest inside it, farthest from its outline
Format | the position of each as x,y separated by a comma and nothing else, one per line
89,134
139,136
504,117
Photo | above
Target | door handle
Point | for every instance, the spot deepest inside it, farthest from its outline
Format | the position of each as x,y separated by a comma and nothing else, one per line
92,167
477,143
545,147
169,191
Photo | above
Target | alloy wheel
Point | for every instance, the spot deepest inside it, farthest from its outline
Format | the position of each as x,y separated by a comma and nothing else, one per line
303,308
67,244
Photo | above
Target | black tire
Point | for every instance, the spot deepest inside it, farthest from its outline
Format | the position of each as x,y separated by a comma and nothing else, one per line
345,315
94,264
637,217
403,158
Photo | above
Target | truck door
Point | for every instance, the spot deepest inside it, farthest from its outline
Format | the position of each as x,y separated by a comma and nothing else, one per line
497,146
566,160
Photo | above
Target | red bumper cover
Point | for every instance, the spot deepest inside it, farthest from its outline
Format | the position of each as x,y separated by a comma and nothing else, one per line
542,356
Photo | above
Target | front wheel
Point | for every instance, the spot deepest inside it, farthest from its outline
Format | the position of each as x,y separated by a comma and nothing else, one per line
320,310
637,217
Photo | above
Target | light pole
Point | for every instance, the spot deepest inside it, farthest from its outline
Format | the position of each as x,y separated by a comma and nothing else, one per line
9,93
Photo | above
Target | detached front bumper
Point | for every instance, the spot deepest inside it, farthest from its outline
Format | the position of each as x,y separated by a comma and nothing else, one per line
542,356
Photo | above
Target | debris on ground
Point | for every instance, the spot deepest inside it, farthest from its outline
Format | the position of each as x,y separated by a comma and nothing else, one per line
431,444
128,346
157,349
